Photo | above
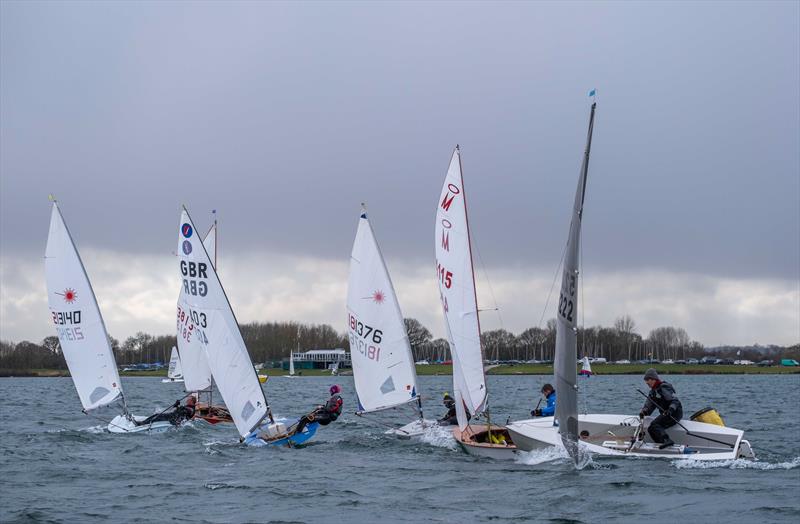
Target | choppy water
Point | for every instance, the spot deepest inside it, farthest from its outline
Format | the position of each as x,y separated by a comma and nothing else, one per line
57,465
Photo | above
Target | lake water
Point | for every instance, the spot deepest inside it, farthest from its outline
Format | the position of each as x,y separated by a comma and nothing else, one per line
58,465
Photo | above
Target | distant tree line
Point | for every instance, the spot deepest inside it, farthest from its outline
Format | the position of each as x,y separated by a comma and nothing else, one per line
272,341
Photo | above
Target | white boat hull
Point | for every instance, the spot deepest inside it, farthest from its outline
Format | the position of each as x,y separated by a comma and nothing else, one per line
122,424
171,380
610,435
416,428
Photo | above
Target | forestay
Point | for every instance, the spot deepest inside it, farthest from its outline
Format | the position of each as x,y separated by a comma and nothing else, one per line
79,324
216,329
197,373
567,319
383,365
457,293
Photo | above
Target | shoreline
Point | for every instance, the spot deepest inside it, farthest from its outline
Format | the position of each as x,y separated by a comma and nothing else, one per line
518,369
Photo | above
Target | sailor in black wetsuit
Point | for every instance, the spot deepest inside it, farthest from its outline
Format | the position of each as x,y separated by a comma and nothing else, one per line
450,418
326,414
175,417
662,396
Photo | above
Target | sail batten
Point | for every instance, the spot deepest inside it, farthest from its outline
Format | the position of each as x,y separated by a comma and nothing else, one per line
79,324
383,364
456,280
216,329
566,353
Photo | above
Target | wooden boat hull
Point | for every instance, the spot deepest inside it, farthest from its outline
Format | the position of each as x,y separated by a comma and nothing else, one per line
212,414
475,441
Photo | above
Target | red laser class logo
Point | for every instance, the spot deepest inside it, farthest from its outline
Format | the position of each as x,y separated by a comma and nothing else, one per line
378,297
69,295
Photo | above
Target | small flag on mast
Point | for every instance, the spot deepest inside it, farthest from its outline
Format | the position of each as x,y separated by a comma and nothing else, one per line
593,92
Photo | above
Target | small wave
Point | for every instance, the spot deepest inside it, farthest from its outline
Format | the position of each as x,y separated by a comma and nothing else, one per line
539,456
439,437
101,428
735,464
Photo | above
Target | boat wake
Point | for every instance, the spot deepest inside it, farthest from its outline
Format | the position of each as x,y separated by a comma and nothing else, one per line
540,456
439,436
736,464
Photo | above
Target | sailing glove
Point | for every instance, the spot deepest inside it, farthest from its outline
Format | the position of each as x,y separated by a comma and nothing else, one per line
536,412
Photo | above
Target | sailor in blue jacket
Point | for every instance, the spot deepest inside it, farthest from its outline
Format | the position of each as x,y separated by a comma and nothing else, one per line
550,409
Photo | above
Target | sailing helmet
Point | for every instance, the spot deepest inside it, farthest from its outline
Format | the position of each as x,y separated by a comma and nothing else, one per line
335,389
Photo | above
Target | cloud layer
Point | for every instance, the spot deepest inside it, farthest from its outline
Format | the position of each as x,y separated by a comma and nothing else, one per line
138,293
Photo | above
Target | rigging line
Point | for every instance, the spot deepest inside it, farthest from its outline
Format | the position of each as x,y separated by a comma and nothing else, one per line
555,276
489,285
379,423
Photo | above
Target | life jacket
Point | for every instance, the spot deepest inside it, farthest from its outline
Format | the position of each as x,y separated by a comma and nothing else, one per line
334,406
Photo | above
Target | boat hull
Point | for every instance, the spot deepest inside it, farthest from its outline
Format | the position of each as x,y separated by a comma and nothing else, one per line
417,428
213,414
259,438
475,441
611,435
122,424
171,380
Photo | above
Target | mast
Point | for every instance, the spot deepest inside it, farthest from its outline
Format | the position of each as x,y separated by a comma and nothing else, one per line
565,368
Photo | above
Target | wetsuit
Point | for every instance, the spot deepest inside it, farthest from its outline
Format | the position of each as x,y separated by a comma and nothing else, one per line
663,397
324,415
176,417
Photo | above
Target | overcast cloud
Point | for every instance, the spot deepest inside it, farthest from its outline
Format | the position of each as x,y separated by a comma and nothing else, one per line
285,116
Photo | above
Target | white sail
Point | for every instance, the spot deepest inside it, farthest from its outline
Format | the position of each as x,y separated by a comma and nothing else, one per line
291,364
174,371
216,328
78,322
383,366
197,373
566,354
586,366
457,292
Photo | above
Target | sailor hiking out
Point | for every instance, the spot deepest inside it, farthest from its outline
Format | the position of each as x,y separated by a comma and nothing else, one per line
326,414
175,417
662,396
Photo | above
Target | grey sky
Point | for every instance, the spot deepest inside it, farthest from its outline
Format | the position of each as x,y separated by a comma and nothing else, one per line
284,116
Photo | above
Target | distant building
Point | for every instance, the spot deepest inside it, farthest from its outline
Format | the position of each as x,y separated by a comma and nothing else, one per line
319,359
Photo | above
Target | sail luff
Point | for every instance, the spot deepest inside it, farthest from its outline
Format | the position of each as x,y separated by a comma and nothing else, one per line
79,323
565,365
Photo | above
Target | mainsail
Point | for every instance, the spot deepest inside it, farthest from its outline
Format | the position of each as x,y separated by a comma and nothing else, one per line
197,373
79,324
215,327
567,319
174,371
383,366
457,292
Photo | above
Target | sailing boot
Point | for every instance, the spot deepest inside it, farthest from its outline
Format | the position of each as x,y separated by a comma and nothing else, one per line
667,443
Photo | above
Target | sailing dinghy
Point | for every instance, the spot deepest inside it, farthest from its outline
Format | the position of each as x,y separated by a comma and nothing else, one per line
197,372
607,435
586,367
215,328
383,365
81,331
456,280
174,371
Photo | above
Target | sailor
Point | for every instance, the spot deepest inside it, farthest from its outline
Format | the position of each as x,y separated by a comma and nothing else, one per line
662,396
550,407
175,417
449,418
326,414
